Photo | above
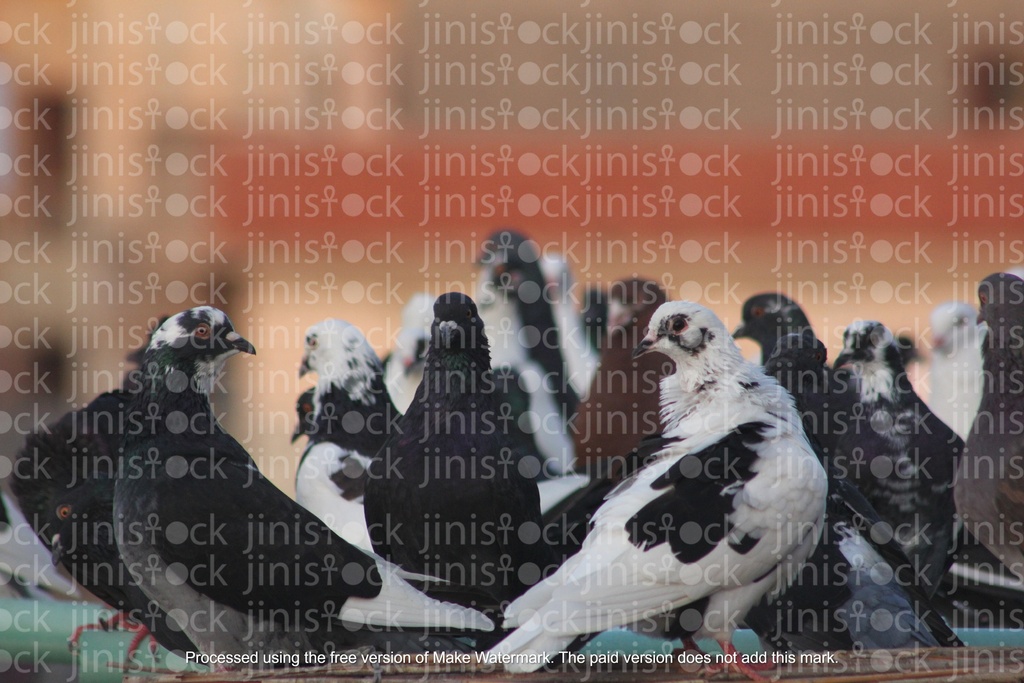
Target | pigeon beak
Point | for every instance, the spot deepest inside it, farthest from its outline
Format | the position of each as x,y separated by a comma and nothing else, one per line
239,343
56,550
297,433
304,368
740,332
645,345
844,359
447,328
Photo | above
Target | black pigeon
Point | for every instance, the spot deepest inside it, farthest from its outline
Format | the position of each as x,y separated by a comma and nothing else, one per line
767,317
83,542
523,334
237,564
857,591
347,422
446,496
64,482
989,488
898,453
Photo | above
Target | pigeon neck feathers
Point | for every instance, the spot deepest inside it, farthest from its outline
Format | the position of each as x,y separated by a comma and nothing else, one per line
713,389
178,371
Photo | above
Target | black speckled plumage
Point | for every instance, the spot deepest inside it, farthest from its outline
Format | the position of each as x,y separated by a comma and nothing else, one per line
900,455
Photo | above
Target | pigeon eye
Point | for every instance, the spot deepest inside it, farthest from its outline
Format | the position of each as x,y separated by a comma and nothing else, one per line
818,357
757,311
202,331
312,342
64,511
469,314
983,298
678,325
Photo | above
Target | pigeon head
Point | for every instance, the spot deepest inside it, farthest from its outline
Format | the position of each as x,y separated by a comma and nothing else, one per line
768,316
869,346
457,326
341,357
797,351
196,342
74,514
687,333
954,328
632,301
1001,299
414,337
507,261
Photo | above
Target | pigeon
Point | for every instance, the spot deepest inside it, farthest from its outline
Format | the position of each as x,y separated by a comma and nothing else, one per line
899,454
351,417
237,564
65,484
446,496
988,489
768,316
83,543
727,510
403,367
622,406
856,591
580,356
520,324
955,374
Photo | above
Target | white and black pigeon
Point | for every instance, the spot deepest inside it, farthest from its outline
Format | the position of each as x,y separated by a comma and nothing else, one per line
727,511
990,486
559,290
857,590
349,421
955,372
403,367
446,496
523,334
239,565
899,454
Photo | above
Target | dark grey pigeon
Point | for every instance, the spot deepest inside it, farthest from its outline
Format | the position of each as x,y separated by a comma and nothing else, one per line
856,591
990,483
899,454
768,316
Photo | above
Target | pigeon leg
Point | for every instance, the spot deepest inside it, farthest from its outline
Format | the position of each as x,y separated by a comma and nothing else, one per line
141,633
101,624
748,669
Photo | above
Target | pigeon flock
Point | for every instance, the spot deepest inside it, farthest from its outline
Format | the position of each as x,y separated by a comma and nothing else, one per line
530,467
